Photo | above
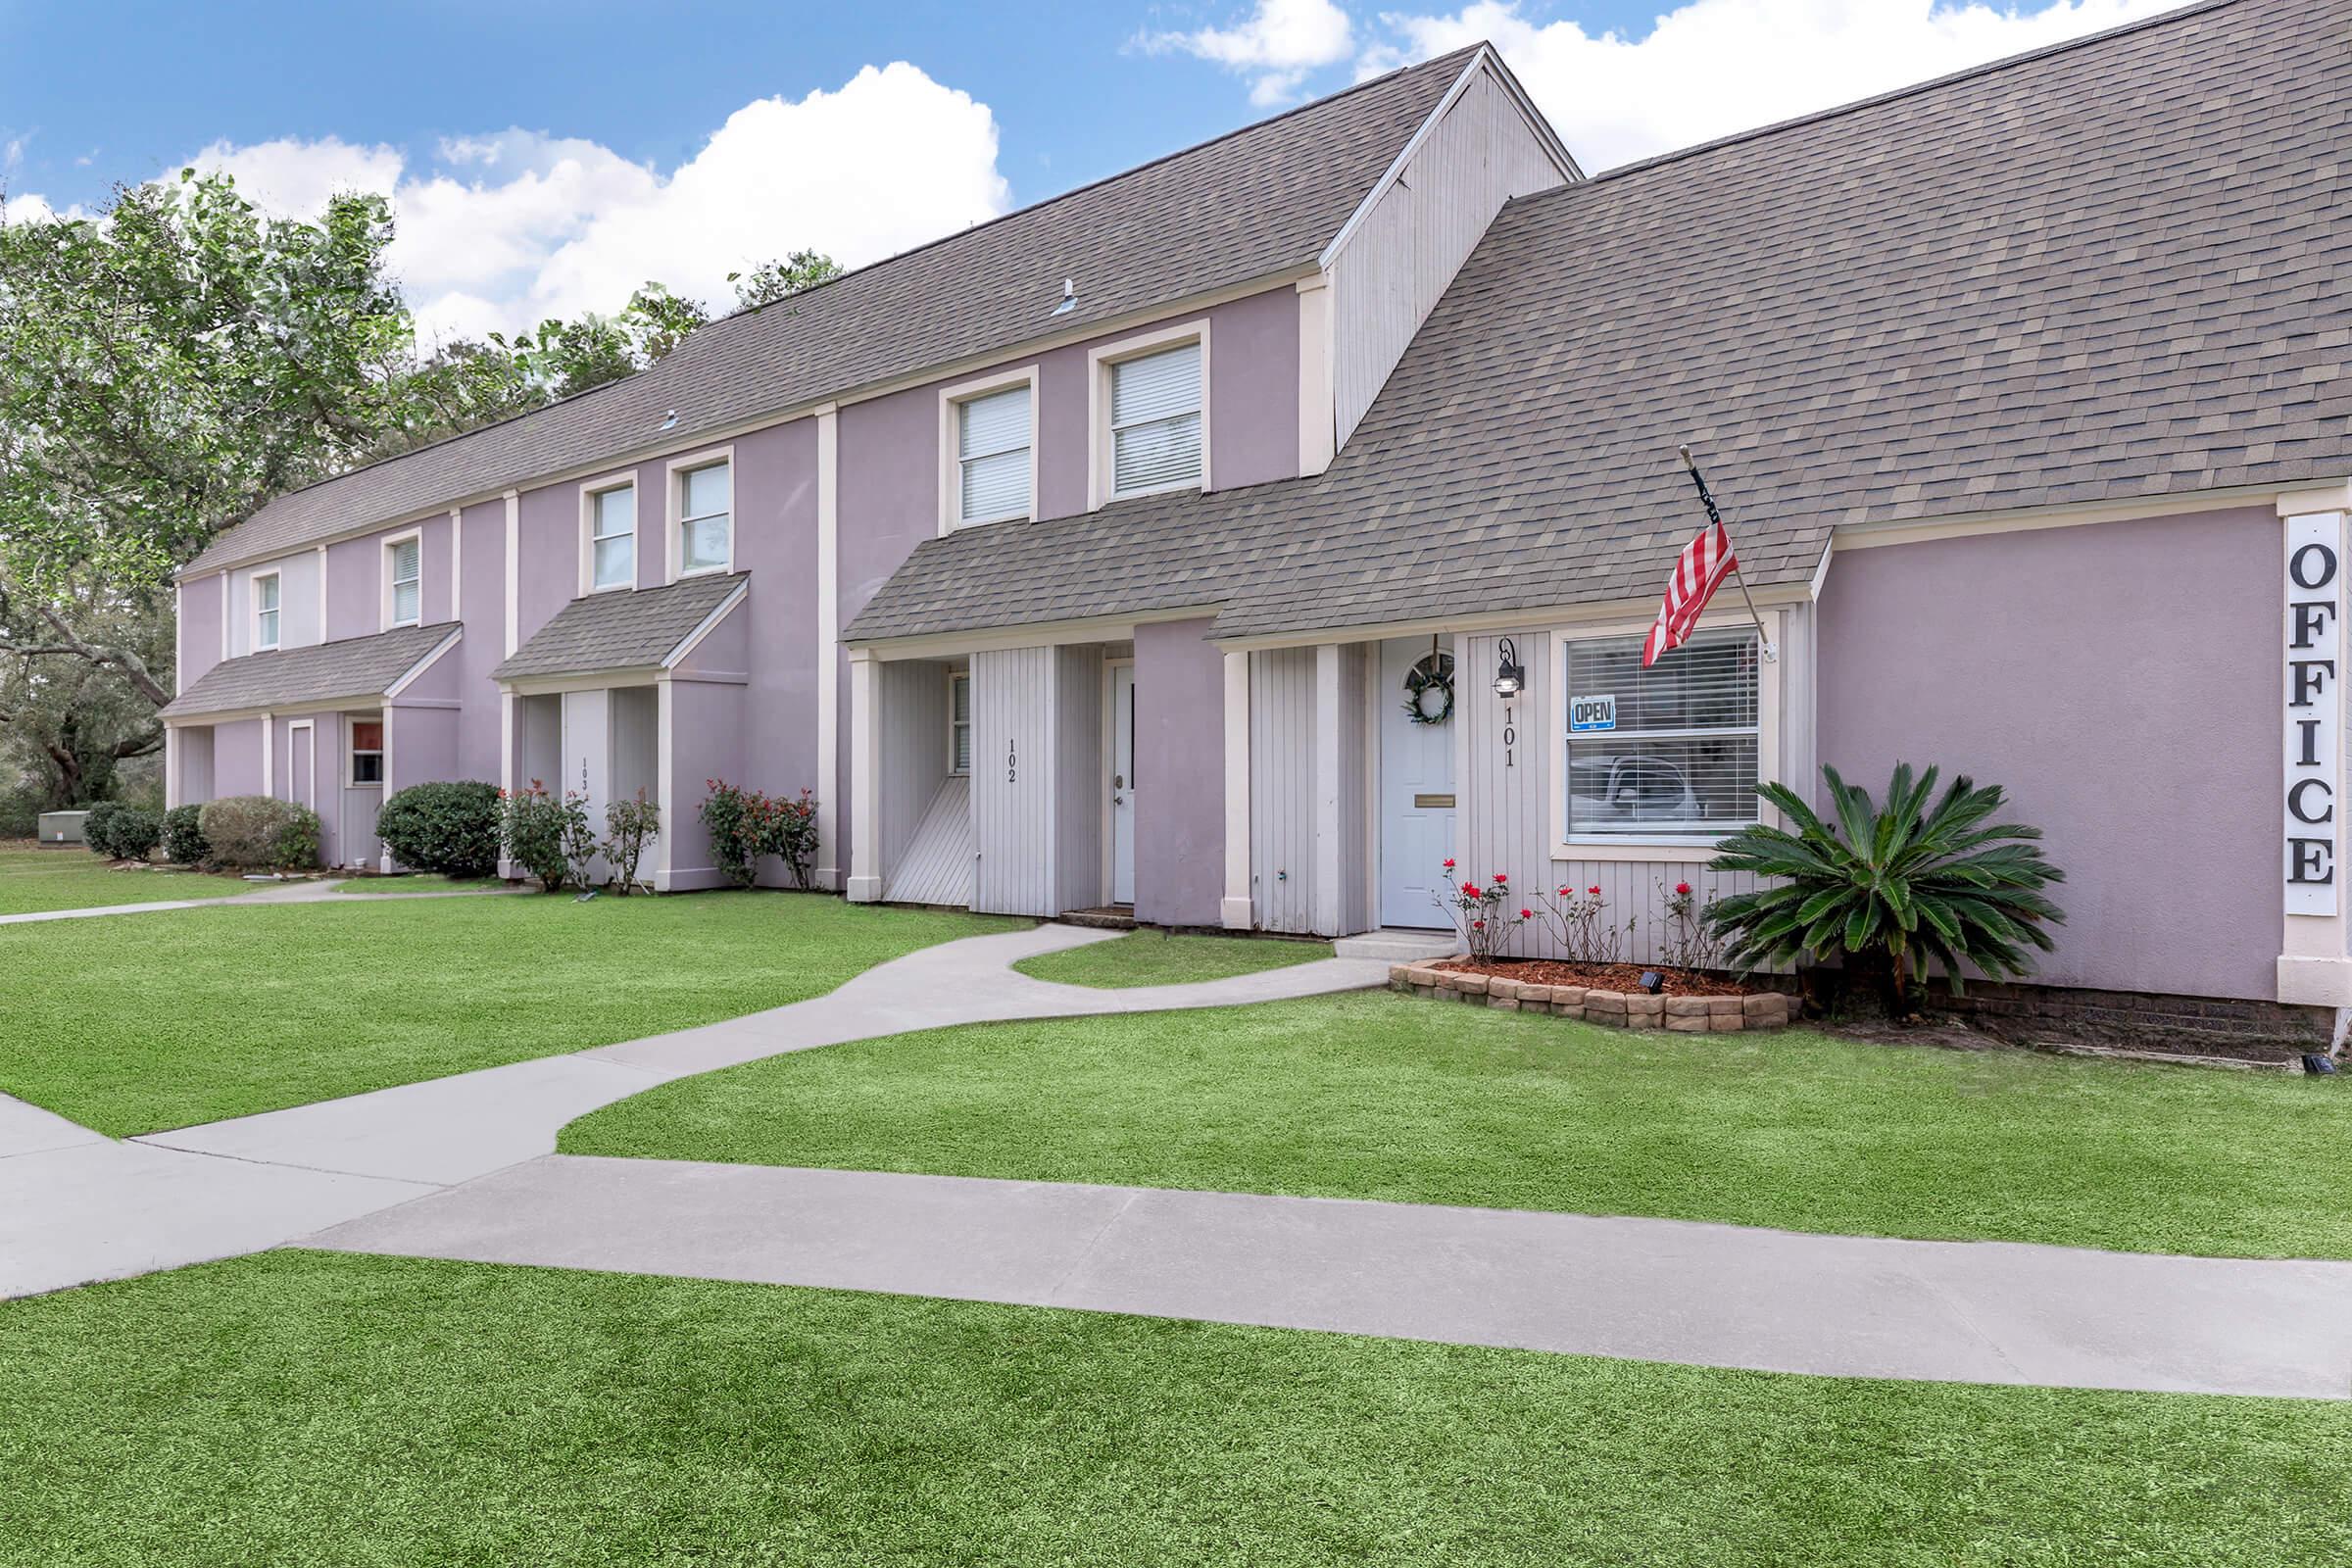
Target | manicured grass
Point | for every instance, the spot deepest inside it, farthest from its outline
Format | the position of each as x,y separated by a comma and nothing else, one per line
422,883
299,1407
1376,1096
146,1021
33,879
1157,958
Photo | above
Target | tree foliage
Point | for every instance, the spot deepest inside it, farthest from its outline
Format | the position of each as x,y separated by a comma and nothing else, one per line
171,365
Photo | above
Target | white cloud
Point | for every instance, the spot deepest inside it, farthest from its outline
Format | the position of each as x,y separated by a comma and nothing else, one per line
1276,45
496,231
1712,67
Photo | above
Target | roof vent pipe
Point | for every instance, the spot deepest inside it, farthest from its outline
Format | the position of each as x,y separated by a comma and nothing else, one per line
1069,297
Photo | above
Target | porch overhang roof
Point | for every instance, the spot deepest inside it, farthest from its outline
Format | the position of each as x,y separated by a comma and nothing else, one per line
354,670
632,629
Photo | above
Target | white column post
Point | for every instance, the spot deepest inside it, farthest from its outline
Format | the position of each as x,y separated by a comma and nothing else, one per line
173,793
828,647
1234,911
270,755
506,762
2313,963
1327,902
865,778
513,573
665,781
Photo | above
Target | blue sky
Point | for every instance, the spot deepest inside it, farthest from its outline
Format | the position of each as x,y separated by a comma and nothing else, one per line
505,131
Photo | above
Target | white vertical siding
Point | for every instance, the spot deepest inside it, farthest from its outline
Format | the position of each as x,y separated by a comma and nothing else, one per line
1394,268
1282,781
913,696
937,865
1078,800
1356,757
1013,781
1505,792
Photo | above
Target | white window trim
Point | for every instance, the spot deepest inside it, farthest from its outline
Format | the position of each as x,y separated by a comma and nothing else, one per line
955,677
350,768
294,728
673,509
253,612
392,542
1098,362
589,491
1771,678
950,449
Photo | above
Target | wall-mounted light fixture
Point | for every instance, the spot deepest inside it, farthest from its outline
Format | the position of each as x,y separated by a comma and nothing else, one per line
1510,678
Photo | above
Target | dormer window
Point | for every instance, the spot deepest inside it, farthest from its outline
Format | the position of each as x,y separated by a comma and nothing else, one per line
404,581
266,590
992,457
1156,421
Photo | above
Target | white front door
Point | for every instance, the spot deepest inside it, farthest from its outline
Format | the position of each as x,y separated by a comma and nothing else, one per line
1122,783
1416,782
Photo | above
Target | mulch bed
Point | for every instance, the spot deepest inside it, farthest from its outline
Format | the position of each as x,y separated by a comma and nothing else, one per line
1603,976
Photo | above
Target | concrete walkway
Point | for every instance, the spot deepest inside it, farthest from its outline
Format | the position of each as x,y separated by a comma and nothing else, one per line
303,891
75,1206
1643,1288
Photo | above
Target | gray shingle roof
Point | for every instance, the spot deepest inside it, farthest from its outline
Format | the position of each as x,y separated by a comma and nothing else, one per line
2112,270
628,631
1264,198
355,669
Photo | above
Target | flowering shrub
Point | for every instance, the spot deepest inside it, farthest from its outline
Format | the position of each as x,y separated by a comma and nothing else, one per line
746,825
547,835
1579,925
1687,943
1481,915
628,826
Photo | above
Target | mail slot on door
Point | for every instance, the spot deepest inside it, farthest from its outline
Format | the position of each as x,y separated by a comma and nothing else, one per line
1433,803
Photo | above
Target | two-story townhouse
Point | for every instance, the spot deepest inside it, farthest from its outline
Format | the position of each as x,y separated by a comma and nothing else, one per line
2026,391
643,587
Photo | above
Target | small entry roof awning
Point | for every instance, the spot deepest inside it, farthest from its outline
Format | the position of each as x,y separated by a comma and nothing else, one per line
354,670
628,628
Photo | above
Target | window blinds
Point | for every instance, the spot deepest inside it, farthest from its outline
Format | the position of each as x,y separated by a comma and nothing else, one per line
1155,420
1682,757
993,455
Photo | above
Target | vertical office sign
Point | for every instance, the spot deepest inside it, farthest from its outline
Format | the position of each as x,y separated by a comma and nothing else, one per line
2313,701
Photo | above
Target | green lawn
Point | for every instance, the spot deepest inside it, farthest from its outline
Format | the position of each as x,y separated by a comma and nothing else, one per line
299,1407
1157,958
422,883
1376,1096
147,1021
35,879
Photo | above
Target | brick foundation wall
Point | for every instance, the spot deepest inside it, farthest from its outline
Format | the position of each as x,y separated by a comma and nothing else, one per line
2137,1019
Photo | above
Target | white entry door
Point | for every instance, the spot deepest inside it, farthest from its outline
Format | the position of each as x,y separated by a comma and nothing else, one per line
1416,783
1122,783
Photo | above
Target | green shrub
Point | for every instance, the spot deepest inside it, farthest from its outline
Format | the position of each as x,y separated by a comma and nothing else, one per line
183,835
253,832
452,828
745,824
547,835
20,814
135,832
98,829
629,825
1891,887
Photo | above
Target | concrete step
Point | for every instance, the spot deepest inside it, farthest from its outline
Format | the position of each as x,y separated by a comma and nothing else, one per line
1397,947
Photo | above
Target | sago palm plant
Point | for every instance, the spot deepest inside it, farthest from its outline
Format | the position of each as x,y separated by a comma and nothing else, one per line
1895,885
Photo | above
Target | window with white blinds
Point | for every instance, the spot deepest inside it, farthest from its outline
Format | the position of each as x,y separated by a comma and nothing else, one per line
265,613
612,538
707,517
959,723
1156,421
408,582
992,457
1668,750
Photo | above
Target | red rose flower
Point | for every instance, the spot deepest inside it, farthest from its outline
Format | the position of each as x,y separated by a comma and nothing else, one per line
1478,925
1682,889
1470,890
1565,893
1498,879
1448,866
1594,890
1527,914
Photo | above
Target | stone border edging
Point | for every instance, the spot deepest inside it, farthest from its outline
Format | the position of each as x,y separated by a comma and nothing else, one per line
1613,1010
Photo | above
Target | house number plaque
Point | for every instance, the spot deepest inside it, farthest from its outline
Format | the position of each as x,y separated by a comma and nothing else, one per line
1011,762
1510,736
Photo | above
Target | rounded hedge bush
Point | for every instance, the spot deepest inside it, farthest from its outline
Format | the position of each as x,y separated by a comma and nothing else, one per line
253,832
451,828
98,829
183,835
134,832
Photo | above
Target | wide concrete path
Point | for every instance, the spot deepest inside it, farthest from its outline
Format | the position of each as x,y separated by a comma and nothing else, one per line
303,892
1649,1290
75,1206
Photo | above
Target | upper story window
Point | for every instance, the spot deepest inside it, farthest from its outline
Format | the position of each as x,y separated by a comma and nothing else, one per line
404,575
266,590
705,517
960,722
1156,424
612,538
993,455
1671,751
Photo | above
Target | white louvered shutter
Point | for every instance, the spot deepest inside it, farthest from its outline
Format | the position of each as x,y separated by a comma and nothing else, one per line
993,455
1155,420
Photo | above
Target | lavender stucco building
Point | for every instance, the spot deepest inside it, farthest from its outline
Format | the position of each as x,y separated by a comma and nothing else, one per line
1091,556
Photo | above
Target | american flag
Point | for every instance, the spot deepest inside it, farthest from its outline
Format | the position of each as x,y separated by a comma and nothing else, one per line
1705,562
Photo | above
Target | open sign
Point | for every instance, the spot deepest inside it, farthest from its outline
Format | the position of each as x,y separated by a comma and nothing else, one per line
1592,713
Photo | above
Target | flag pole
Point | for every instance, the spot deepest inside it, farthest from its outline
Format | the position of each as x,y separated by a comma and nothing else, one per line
1772,653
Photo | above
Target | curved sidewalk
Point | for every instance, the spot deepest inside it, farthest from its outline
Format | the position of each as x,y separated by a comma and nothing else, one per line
75,1206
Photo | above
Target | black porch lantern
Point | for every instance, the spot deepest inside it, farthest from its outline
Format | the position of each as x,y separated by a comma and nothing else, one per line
1510,677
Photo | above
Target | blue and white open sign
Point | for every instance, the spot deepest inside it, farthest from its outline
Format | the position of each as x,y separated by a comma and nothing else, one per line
1592,713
